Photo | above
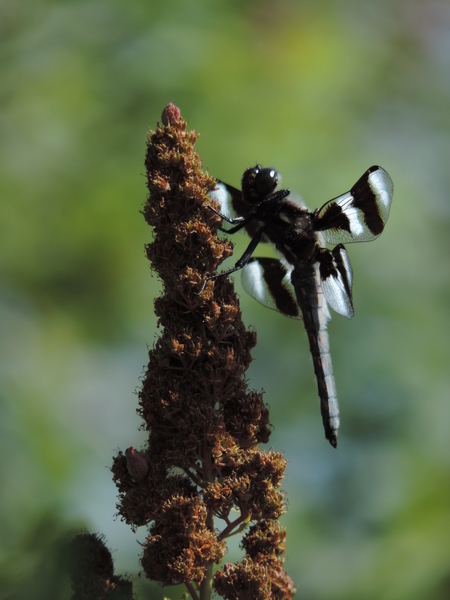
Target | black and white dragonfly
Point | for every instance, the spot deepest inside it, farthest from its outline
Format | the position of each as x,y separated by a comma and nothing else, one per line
308,276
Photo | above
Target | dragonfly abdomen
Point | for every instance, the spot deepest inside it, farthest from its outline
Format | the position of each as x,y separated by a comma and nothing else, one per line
315,317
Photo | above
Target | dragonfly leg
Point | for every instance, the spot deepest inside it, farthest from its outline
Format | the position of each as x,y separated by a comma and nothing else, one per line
241,262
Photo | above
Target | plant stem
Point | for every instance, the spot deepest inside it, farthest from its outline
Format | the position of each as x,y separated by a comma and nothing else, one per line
206,585
192,591
231,526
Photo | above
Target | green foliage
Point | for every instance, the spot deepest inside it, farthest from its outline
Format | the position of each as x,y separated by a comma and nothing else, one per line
319,90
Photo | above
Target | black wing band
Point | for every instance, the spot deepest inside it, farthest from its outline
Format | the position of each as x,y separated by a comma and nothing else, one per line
268,281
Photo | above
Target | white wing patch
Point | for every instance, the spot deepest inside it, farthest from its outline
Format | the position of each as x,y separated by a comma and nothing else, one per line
252,280
221,195
337,284
383,188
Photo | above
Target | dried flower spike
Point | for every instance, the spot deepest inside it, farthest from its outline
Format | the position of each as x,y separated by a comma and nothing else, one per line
202,459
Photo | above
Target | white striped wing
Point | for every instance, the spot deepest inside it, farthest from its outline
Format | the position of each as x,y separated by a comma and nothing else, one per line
268,281
360,214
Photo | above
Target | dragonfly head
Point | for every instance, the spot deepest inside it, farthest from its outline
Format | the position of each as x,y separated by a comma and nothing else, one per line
257,183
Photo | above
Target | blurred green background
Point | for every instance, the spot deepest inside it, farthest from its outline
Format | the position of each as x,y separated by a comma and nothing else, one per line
320,90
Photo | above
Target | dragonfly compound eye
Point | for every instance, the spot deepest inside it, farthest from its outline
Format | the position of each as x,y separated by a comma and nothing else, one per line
266,181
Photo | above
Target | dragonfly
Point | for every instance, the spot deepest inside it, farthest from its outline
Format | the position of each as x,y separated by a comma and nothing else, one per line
308,277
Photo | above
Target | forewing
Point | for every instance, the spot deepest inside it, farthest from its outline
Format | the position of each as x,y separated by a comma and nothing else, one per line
230,200
337,278
268,281
360,214
233,205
